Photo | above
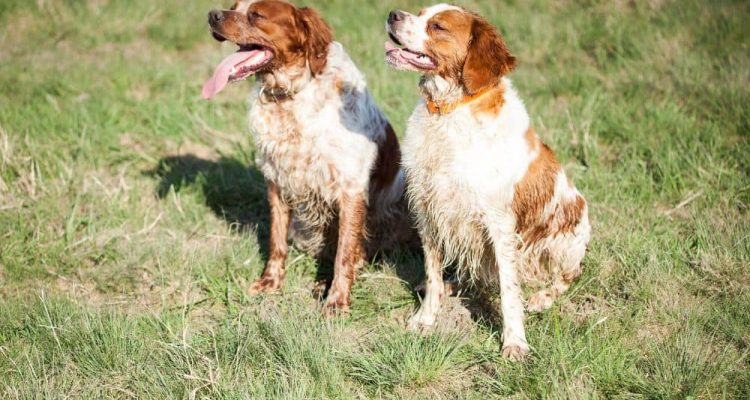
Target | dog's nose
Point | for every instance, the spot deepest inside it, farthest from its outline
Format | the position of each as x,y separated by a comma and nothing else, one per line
215,16
395,16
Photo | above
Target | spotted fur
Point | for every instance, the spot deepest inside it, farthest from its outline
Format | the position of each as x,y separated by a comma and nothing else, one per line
487,194
327,152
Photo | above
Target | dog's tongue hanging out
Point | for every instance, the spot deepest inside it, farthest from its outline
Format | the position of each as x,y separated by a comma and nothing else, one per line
237,66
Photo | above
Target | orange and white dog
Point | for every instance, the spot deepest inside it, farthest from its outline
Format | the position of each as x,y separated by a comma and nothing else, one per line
328,154
487,194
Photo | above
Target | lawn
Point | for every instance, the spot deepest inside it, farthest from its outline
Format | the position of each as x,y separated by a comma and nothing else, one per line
132,219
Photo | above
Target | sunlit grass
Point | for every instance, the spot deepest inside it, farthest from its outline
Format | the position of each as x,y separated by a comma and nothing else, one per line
132,220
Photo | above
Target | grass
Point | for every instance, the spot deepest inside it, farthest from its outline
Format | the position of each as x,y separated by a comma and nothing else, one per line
130,223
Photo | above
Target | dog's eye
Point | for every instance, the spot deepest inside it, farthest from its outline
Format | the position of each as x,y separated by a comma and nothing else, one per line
255,15
436,26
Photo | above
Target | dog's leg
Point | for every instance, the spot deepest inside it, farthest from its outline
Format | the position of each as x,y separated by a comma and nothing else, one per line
349,253
433,289
503,239
565,255
273,275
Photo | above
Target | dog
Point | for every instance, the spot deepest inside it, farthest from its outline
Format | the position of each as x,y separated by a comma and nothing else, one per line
487,194
330,158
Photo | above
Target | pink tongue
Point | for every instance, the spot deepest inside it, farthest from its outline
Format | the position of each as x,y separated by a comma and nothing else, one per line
221,74
409,55
404,54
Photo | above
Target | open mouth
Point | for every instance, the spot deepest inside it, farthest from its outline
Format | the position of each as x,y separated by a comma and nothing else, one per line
218,36
248,60
399,57
257,57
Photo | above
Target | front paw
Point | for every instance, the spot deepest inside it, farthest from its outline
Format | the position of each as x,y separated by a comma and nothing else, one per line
336,305
515,352
265,285
420,322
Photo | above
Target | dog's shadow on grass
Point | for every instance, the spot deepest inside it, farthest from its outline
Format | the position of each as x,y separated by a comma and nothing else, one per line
236,192
232,190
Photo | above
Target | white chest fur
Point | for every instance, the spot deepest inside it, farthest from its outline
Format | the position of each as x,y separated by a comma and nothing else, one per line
460,166
323,140
481,157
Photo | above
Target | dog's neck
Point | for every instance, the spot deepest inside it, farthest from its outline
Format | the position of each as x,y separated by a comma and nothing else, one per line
283,84
442,96
440,90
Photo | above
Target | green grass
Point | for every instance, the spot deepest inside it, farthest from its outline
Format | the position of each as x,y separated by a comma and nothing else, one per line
130,225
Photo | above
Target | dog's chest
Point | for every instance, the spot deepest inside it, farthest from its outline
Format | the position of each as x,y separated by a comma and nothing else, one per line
458,171
462,163
303,149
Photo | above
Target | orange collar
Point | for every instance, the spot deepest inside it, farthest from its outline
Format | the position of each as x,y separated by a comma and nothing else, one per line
443,108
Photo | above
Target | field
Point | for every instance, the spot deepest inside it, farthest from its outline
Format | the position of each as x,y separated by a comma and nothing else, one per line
132,219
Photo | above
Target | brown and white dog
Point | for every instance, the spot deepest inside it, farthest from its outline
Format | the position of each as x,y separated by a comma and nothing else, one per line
487,194
328,154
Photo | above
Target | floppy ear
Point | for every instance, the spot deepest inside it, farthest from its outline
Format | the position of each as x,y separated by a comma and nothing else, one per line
487,60
319,37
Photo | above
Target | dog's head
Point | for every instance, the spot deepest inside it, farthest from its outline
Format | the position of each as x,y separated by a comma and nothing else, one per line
271,35
450,42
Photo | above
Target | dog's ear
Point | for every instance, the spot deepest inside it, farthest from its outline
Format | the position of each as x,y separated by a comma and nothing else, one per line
487,60
319,37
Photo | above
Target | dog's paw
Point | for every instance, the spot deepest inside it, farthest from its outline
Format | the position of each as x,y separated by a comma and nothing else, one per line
515,352
264,285
539,301
336,306
420,322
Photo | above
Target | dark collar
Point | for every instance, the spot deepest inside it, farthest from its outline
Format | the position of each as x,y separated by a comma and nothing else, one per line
275,95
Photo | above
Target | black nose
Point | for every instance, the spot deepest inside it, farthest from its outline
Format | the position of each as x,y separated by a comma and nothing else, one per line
395,16
215,16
